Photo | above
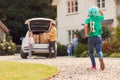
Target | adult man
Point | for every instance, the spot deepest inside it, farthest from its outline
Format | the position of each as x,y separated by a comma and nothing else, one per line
52,40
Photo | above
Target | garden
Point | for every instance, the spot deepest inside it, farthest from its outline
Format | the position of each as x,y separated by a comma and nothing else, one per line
7,47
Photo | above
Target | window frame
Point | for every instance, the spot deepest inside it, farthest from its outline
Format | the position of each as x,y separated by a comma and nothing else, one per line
70,37
72,6
100,3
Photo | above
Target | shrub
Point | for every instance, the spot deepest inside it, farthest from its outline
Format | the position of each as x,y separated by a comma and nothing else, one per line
61,50
115,55
104,54
11,48
8,37
111,47
106,47
1,41
95,54
85,54
115,45
114,42
106,33
118,32
2,51
7,48
79,50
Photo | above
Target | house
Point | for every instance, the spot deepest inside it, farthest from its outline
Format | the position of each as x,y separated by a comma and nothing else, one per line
72,13
3,31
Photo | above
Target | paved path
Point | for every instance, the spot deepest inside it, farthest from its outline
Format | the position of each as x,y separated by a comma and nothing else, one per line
75,68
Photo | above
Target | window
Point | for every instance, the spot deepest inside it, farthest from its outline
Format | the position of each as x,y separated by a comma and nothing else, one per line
101,3
70,35
72,6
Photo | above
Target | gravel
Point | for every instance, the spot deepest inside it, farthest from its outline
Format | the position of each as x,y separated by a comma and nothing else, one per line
71,68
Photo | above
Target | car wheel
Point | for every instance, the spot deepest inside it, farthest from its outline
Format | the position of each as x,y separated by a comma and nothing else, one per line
23,55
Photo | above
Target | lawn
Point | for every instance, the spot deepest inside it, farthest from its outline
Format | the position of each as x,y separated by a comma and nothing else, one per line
25,71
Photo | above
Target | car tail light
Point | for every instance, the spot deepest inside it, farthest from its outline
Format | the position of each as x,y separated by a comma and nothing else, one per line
26,47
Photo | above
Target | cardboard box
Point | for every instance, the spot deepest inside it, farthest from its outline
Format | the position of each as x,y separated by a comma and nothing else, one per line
44,38
36,38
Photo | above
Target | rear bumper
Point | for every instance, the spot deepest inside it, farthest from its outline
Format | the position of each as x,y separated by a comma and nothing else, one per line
37,50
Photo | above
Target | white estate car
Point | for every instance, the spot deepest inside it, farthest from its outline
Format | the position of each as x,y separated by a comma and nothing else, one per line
39,28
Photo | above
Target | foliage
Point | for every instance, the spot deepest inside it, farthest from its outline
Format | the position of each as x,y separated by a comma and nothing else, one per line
110,47
7,48
106,33
118,32
118,18
8,37
1,41
115,45
95,54
61,50
85,54
115,55
15,12
106,47
79,50
32,71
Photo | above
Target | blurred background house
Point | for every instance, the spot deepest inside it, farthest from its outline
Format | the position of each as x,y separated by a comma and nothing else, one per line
72,13
3,31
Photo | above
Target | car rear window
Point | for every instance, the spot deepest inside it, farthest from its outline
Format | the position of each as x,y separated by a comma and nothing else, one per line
39,25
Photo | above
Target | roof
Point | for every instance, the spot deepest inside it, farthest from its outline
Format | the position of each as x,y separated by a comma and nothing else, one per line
55,2
32,19
3,27
108,21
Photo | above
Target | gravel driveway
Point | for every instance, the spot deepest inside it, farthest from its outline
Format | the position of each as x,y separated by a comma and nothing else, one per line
71,68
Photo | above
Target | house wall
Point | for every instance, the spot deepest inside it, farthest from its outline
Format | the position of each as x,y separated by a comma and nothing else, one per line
110,12
2,34
72,22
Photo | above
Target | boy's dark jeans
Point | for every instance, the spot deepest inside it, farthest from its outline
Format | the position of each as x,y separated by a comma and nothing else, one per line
95,42
52,47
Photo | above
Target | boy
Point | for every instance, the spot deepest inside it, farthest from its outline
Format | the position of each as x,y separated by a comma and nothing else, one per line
94,35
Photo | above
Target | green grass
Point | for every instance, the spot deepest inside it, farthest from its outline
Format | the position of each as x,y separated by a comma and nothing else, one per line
25,71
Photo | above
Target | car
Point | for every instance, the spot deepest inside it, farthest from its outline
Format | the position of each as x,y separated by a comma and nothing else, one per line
40,28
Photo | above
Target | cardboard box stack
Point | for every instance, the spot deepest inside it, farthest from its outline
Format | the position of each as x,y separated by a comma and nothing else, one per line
44,38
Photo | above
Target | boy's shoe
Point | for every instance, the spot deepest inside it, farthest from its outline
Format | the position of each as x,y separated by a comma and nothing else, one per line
102,65
93,67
